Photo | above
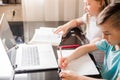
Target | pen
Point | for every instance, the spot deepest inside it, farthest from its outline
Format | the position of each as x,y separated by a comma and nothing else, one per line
60,49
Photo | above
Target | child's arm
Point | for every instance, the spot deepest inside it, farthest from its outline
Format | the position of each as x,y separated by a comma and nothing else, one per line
64,61
81,51
69,25
95,40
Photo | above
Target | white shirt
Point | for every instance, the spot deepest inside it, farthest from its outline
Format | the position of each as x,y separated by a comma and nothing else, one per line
92,30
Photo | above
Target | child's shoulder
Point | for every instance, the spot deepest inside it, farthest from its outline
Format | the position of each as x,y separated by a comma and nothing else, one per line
87,18
102,44
103,41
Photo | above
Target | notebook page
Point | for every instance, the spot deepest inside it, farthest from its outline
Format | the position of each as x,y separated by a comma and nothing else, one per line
46,35
82,66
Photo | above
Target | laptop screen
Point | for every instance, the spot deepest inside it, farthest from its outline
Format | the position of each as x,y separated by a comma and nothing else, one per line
7,38
6,34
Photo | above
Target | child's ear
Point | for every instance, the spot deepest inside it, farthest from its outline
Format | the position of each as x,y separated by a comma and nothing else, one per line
102,4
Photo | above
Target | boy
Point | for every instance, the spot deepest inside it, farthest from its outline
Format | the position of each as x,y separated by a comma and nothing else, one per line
109,23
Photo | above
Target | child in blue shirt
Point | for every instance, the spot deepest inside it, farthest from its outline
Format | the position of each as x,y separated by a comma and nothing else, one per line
109,23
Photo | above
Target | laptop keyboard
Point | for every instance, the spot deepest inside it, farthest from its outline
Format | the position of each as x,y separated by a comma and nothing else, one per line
30,55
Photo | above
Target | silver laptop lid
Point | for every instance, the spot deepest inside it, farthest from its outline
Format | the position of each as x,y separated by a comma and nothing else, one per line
6,34
7,38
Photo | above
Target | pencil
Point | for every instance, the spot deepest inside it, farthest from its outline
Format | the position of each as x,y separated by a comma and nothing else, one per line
60,51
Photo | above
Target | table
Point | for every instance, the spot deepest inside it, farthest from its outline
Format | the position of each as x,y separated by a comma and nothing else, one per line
28,31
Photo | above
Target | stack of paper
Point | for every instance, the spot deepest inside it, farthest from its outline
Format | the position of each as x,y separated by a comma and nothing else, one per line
46,35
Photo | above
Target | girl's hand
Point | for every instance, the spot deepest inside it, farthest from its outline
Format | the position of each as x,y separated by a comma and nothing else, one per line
61,29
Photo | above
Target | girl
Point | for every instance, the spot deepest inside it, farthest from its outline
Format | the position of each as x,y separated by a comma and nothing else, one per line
92,8
109,23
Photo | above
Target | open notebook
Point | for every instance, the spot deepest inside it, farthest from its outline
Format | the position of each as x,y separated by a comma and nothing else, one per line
25,57
81,66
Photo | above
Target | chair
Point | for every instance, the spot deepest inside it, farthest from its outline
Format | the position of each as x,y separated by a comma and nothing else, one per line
75,32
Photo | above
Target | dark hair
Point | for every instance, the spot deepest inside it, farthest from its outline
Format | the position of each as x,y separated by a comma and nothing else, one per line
107,2
112,11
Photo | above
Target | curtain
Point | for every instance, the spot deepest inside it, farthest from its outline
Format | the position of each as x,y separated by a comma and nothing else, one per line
51,10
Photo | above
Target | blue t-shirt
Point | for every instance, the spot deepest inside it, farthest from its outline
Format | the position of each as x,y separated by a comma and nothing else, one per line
111,67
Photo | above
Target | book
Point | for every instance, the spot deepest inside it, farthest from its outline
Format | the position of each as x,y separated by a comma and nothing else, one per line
46,35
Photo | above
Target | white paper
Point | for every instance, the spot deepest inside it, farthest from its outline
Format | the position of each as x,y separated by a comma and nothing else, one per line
81,66
46,35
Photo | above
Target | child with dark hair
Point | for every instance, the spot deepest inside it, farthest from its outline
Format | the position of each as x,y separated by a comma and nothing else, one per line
109,23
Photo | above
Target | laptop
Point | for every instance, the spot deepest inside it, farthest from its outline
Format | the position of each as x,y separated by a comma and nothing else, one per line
26,57
6,70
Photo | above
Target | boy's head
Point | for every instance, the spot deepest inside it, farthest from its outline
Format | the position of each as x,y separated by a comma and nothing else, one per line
94,7
109,22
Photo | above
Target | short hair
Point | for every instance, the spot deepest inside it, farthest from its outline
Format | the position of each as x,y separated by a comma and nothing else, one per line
112,12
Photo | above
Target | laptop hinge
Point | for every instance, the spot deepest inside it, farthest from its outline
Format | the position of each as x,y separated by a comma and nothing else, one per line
14,66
